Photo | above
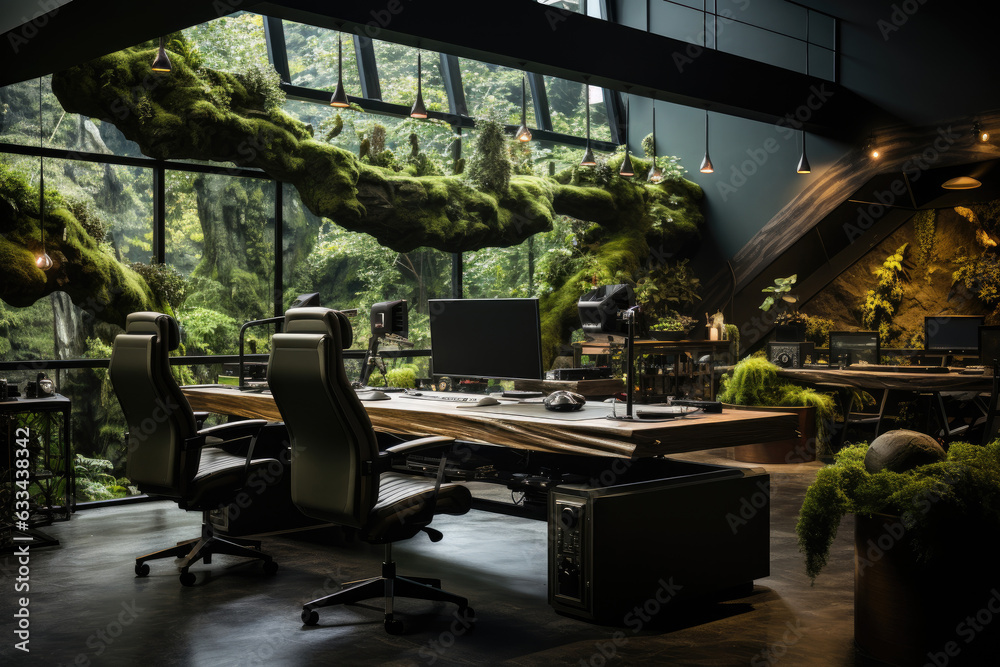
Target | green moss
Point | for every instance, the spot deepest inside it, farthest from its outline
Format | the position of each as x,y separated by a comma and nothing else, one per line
940,505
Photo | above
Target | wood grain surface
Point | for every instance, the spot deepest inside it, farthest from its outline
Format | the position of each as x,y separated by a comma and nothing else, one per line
602,437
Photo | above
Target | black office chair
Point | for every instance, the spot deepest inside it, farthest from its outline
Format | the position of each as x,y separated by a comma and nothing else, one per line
992,423
167,455
338,473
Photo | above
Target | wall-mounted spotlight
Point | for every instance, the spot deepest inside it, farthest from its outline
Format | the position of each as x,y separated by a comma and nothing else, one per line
162,61
980,134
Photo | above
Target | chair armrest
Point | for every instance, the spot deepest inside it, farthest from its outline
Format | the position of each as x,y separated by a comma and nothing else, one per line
233,430
418,444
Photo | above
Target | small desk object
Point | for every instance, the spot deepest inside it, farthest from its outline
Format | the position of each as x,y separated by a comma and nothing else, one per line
40,427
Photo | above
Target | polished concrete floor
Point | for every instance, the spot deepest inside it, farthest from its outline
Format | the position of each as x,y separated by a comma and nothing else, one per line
87,607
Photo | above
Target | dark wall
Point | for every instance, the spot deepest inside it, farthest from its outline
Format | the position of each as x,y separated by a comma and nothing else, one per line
926,63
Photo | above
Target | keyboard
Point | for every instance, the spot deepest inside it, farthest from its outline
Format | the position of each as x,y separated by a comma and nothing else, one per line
452,398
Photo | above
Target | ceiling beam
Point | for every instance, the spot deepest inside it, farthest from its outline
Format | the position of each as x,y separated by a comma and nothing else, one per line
525,35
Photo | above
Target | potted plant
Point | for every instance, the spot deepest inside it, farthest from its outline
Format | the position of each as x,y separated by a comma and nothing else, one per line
926,542
790,324
665,293
754,384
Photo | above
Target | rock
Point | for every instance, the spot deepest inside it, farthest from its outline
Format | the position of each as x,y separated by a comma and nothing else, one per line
902,450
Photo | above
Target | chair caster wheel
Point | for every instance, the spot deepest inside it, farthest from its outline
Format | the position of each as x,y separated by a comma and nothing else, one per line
141,569
270,567
187,579
310,617
394,627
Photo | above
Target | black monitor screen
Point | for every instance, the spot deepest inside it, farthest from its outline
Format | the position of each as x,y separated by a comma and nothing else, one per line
954,334
486,338
989,344
854,346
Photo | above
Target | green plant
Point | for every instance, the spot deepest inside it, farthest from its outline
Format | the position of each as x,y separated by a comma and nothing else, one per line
880,303
924,226
490,167
94,480
668,290
164,281
755,381
780,291
937,504
818,329
674,322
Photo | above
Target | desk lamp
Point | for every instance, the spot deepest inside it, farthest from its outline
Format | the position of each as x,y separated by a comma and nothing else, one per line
611,309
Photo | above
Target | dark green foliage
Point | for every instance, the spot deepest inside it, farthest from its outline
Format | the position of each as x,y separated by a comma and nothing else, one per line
941,505
755,381
881,302
92,223
490,165
262,85
164,281
664,291
925,227
818,330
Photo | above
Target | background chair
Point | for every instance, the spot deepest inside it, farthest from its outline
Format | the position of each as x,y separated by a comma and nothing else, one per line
338,473
167,455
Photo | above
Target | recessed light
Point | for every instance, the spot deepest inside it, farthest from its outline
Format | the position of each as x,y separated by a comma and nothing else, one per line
961,183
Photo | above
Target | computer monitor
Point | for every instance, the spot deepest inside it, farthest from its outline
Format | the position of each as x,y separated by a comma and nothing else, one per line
989,344
486,338
601,309
952,334
854,346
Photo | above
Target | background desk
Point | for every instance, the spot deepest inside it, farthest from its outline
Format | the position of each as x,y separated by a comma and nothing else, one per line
917,382
600,437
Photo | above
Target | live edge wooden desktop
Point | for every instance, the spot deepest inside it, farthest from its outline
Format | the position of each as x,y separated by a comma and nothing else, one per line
540,431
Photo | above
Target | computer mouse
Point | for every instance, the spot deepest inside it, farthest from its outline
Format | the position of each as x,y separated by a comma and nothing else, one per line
563,401
373,395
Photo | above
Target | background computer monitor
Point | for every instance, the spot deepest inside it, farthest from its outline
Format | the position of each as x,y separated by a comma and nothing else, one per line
390,317
486,338
989,344
952,334
601,310
854,346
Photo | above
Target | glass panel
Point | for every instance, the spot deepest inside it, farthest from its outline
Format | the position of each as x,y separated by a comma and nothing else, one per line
397,75
568,113
576,6
777,15
19,123
232,42
488,85
764,46
312,58
220,237
823,30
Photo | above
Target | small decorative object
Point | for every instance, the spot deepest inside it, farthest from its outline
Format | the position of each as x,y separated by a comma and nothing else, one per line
902,450
716,326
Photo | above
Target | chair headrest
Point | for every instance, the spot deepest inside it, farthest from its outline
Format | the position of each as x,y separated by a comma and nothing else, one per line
163,326
320,321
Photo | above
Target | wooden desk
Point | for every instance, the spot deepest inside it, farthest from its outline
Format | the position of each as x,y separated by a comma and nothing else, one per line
903,381
599,437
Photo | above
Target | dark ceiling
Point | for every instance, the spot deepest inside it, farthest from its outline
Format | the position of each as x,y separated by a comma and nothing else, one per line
548,42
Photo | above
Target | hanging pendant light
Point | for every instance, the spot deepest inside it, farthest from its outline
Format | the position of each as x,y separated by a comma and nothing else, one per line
419,110
588,155
523,133
42,260
339,98
162,61
626,169
803,167
655,174
706,163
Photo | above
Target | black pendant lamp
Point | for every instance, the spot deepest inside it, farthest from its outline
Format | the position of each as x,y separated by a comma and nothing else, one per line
42,260
706,163
162,61
803,167
655,174
588,155
626,170
339,98
523,133
419,110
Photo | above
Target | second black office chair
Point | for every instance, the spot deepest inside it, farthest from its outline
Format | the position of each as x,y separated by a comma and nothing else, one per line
338,473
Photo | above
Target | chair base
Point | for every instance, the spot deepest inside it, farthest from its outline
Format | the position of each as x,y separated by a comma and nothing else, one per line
388,586
191,551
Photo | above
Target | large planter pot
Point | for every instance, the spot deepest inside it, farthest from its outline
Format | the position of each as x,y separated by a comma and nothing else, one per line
793,450
945,613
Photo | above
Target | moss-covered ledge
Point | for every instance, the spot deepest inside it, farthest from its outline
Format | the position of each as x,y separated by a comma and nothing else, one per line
92,277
